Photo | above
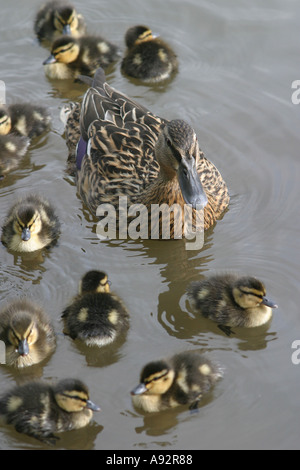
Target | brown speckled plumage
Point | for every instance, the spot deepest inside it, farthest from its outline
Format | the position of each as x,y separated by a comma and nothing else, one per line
122,159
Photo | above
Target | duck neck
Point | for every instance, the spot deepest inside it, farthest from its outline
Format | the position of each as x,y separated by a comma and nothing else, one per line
165,189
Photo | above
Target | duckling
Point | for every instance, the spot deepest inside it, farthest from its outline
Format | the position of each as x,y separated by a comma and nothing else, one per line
12,150
31,224
96,316
128,151
231,301
180,380
24,119
56,18
148,58
27,333
71,57
39,409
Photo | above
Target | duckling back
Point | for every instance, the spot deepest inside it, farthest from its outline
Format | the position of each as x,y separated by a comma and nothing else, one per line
27,333
148,58
28,120
96,316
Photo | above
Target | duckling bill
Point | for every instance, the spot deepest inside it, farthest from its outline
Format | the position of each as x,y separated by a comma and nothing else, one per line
31,224
96,316
27,333
39,409
231,301
180,380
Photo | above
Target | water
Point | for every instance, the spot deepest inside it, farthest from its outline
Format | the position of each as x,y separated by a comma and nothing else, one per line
237,63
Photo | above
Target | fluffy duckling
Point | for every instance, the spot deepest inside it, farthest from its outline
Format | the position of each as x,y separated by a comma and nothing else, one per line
39,409
96,316
56,18
31,224
180,380
12,150
24,119
148,58
27,333
71,57
231,301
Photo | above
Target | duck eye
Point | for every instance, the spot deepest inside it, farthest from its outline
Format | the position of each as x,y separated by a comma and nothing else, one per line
169,143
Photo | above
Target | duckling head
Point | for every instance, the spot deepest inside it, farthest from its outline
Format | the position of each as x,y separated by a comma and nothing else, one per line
5,122
177,152
249,292
156,379
94,282
72,396
27,222
64,50
22,333
65,20
137,34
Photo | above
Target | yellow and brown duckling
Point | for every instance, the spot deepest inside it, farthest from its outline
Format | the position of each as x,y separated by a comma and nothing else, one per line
96,316
124,149
31,224
27,333
12,149
231,301
180,380
148,58
24,119
39,409
71,57
56,18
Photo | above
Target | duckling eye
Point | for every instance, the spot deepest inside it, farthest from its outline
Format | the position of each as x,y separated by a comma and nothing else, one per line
169,143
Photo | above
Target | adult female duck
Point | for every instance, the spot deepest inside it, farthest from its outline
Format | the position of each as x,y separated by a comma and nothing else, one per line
124,149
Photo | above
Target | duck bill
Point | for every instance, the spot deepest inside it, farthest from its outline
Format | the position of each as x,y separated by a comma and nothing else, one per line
190,184
67,29
25,235
23,347
91,406
50,60
139,390
269,303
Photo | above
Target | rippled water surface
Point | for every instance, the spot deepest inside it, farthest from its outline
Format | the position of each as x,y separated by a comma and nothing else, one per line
238,60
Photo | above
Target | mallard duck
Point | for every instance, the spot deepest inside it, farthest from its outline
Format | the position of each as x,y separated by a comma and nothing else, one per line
180,380
124,149
31,224
231,301
39,409
12,150
56,18
71,57
27,333
96,316
24,119
148,58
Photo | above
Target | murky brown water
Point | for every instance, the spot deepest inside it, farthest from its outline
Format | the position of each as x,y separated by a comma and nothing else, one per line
238,60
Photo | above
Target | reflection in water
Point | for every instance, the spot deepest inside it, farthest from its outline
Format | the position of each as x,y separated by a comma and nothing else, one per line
101,356
158,424
81,439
